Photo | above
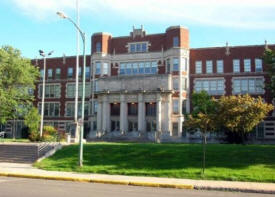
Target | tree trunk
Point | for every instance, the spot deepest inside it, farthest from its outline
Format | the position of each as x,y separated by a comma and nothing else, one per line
204,150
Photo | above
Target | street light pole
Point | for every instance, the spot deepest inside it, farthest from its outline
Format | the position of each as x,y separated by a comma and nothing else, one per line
62,15
43,89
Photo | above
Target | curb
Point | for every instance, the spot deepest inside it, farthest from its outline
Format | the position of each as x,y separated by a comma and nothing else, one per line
136,183
259,191
91,180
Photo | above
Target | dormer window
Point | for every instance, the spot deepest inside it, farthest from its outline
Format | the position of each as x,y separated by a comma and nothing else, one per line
139,47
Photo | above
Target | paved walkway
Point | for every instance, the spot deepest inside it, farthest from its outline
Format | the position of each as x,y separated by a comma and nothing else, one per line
26,170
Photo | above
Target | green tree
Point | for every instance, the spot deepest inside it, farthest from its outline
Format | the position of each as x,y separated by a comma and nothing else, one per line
17,78
203,117
31,120
242,113
269,60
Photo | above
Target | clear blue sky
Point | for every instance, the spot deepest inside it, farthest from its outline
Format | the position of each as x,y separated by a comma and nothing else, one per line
30,25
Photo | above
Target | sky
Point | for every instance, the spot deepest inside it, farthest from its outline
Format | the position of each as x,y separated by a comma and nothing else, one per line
30,25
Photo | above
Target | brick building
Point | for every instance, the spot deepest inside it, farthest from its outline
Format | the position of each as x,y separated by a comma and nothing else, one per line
143,84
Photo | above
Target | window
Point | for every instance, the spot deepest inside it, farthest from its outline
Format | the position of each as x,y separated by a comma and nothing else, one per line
129,68
236,65
105,69
175,41
57,73
175,106
258,65
88,72
97,68
71,106
50,73
51,90
50,109
211,86
98,47
151,126
247,65
198,65
122,68
151,109
184,83
144,47
248,85
168,69
41,74
115,109
70,91
154,67
137,47
79,71
141,67
209,66
175,64
70,73
147,67
175,83
219,66
132,48
132,109
134,68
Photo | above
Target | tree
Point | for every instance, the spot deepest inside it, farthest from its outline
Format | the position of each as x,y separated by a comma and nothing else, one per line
269,60
203,117
17,78
31,120
242,113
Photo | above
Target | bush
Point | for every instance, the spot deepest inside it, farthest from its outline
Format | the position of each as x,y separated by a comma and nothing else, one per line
34,136
50,134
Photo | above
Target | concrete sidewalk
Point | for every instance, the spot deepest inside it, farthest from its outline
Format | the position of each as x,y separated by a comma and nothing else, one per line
27,171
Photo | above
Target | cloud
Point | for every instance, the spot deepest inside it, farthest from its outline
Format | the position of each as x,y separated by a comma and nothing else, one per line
255,14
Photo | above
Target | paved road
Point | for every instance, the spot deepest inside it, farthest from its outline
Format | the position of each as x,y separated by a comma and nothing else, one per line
19,187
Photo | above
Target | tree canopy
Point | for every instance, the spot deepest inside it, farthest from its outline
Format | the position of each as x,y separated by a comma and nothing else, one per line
242,113
17,79
269,60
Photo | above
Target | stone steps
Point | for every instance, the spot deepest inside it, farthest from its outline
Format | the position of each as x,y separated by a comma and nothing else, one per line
22,153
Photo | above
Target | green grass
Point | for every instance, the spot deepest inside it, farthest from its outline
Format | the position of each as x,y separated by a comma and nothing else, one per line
14,140
223,162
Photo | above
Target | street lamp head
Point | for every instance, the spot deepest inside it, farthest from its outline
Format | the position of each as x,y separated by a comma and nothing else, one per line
41,53
62,15
50,53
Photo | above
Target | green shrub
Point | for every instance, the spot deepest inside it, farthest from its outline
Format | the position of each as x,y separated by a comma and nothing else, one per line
50,134
34,136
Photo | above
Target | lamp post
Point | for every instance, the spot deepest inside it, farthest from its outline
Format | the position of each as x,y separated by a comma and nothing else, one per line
62,15
42,53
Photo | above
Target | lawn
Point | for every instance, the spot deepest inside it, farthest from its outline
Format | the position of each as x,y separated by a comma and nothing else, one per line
223,162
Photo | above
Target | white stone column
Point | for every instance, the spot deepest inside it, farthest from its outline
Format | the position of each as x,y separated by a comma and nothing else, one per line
108,117
180,119
99,117
169,113
104,114
158,115
123,114
141,113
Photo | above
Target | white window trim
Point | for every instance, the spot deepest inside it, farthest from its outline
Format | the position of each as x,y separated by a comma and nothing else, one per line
40,87
50,102
148,44
211,79
248,77
80,83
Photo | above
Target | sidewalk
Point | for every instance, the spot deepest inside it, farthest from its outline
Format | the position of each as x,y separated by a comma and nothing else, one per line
27,171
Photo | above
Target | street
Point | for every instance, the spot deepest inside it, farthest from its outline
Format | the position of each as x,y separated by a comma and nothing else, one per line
18,187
